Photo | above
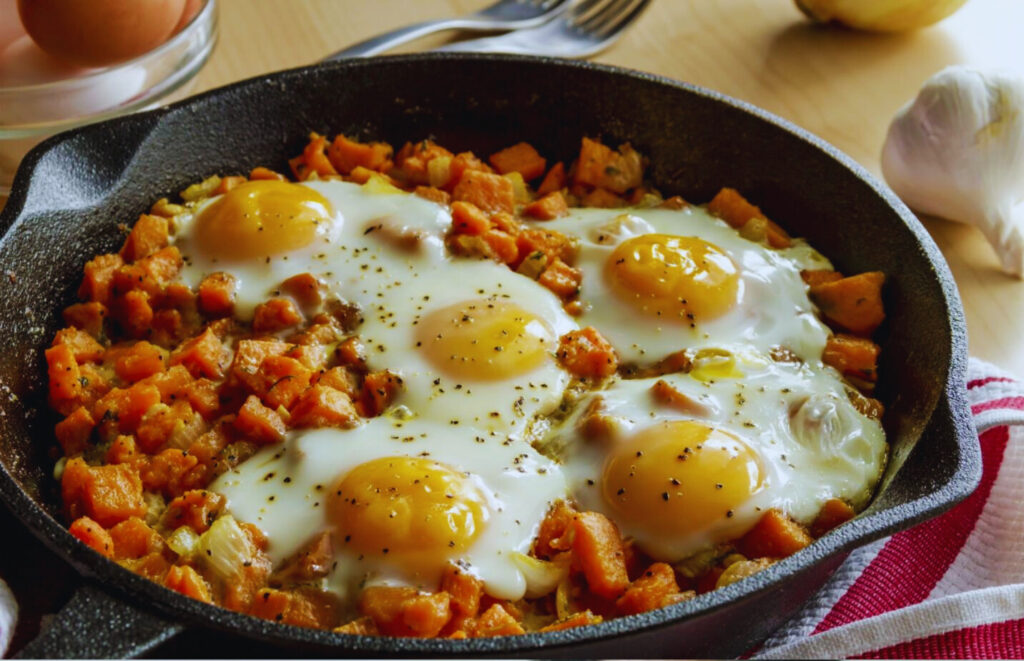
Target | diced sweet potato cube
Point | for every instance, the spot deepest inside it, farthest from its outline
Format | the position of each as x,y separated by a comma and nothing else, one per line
169,382
435,195
275,315
650,591
204,397
99,275
521,158
261,173
259,423
217,294
775,535
73,432
139,361
852,356
135,313
553,181
87,316
202,355
82,344
549,207
597,547
614,171
323,406
384,605
462,163
496,621
833,513
587,354
553,244
563,280
464,589
107,494
92,535
426,614
313,160
345,155
249,355
147,236
124,450
197,509
173,472
379,390
502,246
163,265
490,192
555,534
177,425
184,579
305,289
467,218
284,379
65,378
126,406
729,205
853,303
134,539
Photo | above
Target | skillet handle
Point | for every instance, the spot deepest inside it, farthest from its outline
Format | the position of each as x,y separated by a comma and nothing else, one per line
93,624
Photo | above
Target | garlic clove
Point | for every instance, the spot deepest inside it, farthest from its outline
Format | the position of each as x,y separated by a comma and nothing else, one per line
957,152
880,15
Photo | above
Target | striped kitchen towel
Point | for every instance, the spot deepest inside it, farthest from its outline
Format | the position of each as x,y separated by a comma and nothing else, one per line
952,587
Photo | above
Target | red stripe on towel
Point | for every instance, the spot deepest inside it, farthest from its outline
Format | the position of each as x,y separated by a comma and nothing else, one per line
1001,640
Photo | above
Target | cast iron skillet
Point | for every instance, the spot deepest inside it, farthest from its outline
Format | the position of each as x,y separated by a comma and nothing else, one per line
72,191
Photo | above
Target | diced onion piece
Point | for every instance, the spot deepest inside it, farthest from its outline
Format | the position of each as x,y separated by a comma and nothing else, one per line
542,576
439,171
183,541
225,548
563,601
742,569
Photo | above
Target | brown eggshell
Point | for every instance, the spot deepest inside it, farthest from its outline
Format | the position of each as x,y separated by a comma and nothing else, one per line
99,33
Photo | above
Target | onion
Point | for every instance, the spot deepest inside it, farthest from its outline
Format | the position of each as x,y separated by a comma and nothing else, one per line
880,15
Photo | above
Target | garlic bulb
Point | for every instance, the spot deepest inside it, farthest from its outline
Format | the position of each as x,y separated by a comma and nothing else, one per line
957,152
880,15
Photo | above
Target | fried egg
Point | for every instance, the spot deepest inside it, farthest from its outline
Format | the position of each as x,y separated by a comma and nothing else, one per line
682,462
656,281
402,500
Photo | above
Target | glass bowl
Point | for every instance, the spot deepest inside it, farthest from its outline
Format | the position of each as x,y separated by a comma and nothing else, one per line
32,113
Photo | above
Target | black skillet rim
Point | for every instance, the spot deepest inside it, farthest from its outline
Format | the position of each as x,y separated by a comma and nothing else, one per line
136,589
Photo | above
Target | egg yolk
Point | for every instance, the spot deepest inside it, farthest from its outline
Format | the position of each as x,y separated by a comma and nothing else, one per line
261,219
484,340
678,277
416,510
679,477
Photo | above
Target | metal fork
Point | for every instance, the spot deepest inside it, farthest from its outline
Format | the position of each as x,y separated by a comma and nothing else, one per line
502,15
589,27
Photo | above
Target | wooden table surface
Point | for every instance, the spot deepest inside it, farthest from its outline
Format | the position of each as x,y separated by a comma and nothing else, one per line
842,85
